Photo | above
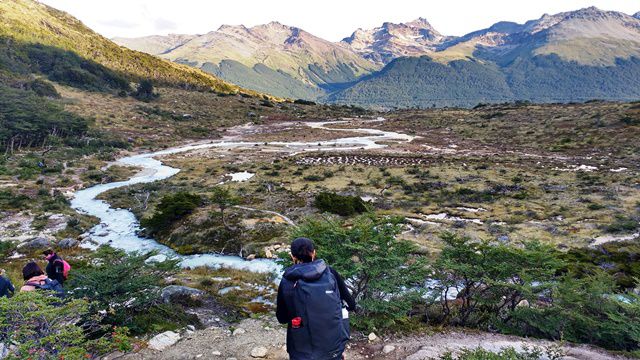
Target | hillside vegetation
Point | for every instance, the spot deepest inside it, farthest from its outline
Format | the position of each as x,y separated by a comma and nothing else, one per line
27,22
423,82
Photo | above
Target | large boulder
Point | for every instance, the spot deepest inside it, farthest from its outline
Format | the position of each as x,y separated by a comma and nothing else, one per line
68,243
164,340
174,291
36,243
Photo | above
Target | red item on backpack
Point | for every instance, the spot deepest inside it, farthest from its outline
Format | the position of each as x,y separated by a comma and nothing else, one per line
296,322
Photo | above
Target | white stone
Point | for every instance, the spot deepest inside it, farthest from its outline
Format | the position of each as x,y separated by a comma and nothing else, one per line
216,353
388,348
373,337
259,352
164,340
239,331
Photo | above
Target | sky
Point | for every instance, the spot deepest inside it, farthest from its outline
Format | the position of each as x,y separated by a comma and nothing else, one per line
329,19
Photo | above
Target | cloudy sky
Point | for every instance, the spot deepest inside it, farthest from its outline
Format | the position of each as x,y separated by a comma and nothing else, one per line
330,19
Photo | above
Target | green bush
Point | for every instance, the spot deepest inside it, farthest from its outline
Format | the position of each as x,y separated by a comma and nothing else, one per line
585,310
126,286
527,290
145,92
43,88
491,279
622,224
28,120
172,208
383,273
42,326
340,205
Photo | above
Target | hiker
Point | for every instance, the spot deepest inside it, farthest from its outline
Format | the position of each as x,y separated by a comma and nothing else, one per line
310,301
6,287
35,279
57,268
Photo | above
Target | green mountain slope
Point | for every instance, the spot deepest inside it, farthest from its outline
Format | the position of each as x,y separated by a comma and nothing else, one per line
423,82
24,23
279,59
573,56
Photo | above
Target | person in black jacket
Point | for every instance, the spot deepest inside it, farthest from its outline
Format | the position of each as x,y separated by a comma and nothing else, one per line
306,268
6,287
55,267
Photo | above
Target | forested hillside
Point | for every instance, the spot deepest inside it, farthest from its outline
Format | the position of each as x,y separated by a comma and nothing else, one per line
423,82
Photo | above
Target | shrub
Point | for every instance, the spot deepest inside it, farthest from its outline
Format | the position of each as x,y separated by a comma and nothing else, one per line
584,310
145,91
124,285
43,88
44,327
171,209
380,270
28,120
340,205
491,279
304,102
622,224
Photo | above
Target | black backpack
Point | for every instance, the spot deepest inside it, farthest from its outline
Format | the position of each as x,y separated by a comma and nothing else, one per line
323,332
49,285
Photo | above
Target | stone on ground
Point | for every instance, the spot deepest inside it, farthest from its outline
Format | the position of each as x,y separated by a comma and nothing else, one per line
164,340
388,348
373,337
259,352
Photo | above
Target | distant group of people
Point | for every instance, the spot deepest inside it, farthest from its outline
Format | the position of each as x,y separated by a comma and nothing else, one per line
51,279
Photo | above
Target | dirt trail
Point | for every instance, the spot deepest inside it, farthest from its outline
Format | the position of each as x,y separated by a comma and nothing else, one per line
224,343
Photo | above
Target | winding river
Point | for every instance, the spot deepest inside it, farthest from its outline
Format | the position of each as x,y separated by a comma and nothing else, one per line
119,227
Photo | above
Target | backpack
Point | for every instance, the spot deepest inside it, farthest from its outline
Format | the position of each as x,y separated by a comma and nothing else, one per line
49,285
65,268
322,332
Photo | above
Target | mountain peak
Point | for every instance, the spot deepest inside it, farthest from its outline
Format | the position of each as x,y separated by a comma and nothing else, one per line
637,15
390,40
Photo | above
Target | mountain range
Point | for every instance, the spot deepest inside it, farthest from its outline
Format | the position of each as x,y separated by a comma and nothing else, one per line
571,56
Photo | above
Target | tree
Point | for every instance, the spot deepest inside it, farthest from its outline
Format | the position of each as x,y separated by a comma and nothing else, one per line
490,279
145,92
338,204
224,199
383,273
172,208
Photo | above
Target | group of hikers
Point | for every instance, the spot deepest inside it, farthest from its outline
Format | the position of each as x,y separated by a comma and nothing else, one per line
313,300
51,279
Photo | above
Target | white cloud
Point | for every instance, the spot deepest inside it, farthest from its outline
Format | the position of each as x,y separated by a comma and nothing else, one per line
330,19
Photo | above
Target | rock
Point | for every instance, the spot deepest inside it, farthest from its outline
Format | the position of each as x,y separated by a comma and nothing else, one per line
523,303
36,243
174,290
239,331
251,257
3,351
216,353
164,340
268,254
68,243
373,337
259,352
388,348
191,328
